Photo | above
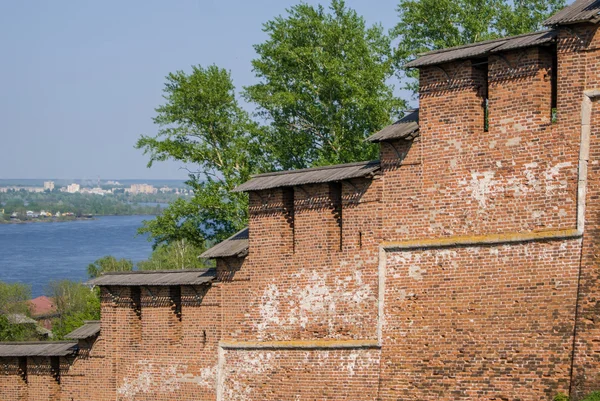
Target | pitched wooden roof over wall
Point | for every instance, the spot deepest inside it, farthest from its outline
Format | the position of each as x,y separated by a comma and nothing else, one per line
579,11
482,49
405,128
48,348
155,278
89,329
234,246
315,175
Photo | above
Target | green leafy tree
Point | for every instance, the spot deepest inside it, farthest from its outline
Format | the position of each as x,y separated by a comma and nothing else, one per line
202,125
436,24
323,85
75,303
108,264
178,254
14,298
16,332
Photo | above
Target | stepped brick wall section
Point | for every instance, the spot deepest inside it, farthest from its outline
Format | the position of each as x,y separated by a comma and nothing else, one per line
415,284
175,356
317,292
87,373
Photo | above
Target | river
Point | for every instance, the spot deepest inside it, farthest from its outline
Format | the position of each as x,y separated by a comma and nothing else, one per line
38,253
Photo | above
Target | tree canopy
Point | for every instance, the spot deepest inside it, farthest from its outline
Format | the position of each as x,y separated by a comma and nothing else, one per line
322,89
202,125
75,303
436,24
108,264
14,298
323,85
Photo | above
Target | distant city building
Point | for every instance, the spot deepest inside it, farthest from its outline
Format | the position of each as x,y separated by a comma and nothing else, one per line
95,191
48,185
73,188
141,189
117,183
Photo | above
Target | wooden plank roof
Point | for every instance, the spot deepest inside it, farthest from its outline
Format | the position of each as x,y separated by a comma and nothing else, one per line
579,11
482,49
40,348
155,278
314,175
234,246
405,128
89,329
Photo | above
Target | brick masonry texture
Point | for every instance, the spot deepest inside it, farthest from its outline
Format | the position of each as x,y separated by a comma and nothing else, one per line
345,294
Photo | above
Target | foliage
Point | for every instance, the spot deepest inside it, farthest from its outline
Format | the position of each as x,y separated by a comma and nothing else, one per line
178,254
14,297
75,303
594,396
16,332
14,300
201,124
435,24
323,85
108,264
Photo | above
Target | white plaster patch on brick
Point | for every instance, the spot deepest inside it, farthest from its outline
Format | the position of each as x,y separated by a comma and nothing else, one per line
481,186
537,214
153,378
551,174
316,297
492,144
359,361
453,163
514,141
237,376
457,145
416,272
316,300
269,309
206,378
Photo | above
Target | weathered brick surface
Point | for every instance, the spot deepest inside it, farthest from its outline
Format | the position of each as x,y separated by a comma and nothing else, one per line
480,322
332,304
350,375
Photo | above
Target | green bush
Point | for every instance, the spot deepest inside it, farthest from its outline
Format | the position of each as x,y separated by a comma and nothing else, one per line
594,396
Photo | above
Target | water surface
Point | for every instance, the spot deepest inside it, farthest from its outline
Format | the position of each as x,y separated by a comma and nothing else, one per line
38,253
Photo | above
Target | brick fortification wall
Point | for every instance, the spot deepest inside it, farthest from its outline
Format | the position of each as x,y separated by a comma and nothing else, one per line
457,272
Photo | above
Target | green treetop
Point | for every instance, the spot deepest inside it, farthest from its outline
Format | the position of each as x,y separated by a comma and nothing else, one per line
323,85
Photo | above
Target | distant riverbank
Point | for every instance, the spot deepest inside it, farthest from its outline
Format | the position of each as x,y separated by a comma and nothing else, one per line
46,220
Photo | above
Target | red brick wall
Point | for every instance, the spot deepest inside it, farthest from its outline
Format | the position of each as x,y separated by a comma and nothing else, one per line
492,322
586,374
326,307
12,384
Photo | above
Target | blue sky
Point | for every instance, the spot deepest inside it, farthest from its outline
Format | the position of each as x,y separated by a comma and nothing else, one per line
80,79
